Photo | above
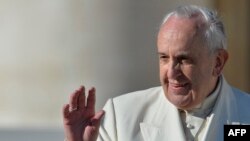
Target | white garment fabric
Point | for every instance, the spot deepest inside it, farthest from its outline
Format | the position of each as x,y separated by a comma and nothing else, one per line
194,121
148,116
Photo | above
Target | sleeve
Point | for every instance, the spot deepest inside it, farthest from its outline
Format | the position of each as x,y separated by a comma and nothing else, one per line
108,130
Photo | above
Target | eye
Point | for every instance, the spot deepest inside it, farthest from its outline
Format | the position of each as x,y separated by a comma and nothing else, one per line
163,58
185,60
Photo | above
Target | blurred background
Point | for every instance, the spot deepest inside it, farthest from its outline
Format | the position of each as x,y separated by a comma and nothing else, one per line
48,48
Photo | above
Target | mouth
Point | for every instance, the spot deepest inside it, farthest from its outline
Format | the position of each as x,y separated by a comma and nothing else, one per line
178,88
177,85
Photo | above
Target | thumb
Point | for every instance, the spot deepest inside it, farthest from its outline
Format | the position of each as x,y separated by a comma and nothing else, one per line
96,120
92,130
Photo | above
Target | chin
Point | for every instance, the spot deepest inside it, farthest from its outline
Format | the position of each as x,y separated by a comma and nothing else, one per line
181,102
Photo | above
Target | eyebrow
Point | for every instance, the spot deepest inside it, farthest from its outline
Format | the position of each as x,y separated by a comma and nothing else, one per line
161,53
183,55
180,54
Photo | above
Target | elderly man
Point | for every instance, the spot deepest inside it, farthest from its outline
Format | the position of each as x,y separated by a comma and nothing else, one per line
193,102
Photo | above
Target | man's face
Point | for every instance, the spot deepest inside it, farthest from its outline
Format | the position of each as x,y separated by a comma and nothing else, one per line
186,65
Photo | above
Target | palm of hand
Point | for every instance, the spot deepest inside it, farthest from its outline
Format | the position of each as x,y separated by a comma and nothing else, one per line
80,121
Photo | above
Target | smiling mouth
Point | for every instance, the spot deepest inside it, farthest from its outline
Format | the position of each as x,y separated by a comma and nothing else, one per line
177,85
179,88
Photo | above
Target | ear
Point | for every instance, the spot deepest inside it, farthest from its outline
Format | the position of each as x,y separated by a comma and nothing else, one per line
221,59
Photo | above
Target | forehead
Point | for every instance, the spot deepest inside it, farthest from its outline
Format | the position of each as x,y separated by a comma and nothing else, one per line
180,33
180,23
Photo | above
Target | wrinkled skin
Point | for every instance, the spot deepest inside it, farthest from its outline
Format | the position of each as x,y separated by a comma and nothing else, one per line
188,70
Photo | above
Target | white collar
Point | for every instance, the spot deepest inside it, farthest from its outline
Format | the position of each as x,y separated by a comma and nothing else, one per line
205,108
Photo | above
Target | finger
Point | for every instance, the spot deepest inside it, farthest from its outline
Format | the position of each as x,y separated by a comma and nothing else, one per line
81,99
91,100
65,110
73,102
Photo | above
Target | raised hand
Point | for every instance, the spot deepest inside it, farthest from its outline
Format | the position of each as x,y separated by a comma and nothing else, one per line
81,123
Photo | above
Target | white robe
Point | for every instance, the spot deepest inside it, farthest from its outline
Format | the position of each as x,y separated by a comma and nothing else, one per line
148,116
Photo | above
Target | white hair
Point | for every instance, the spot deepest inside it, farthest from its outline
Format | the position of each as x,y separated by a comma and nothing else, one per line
213,32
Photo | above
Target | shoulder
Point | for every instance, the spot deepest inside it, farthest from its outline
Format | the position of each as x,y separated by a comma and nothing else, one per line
243,103
137,101
127,111
242,96
139,96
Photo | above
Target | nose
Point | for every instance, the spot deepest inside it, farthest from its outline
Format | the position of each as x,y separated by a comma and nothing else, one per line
173,70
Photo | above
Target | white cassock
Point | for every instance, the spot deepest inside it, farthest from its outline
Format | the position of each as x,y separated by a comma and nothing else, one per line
148,116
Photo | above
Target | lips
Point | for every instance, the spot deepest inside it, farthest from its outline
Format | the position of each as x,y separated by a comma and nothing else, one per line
178,88
178,84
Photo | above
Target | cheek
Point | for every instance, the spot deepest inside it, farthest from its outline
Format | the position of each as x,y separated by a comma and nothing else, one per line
200,79
162,73
189,72
194,76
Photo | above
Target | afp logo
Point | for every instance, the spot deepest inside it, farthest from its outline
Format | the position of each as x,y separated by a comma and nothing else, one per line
237,132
